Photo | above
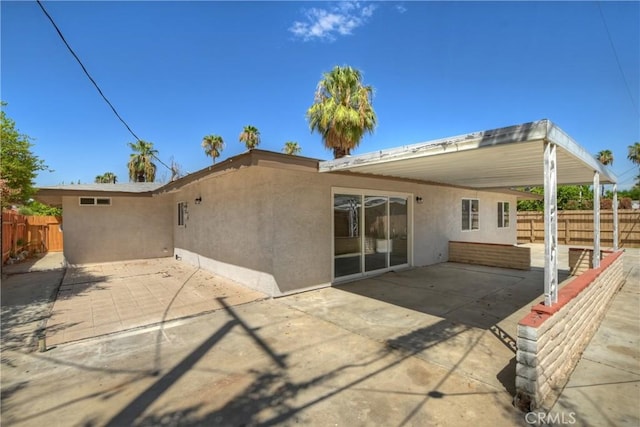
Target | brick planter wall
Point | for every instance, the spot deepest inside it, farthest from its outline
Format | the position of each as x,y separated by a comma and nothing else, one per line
490,254
551,339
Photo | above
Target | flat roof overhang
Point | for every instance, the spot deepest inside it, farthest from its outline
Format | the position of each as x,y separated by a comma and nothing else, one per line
493,159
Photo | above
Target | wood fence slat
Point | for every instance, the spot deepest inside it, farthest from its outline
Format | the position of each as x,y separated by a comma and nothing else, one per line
30,233
576,227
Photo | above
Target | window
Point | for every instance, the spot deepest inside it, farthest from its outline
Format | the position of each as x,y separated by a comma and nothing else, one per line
470,214
503,214
182,213
95,201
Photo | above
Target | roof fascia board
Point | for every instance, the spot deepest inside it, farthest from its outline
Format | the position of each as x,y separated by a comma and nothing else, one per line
568,144
520,133
91,193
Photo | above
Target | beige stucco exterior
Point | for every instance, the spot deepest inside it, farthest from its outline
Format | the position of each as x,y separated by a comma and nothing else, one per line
130,228
269,225
266,220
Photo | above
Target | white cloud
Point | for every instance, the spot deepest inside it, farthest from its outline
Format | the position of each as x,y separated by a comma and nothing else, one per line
325,24
400,8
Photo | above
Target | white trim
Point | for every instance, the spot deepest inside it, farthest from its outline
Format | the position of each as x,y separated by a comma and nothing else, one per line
470,229
95,201
371,192
502,226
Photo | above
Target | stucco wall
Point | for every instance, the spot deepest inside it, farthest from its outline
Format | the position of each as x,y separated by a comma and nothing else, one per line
278,221
131,228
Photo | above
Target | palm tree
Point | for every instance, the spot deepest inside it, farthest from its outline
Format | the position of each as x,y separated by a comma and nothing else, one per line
213,145
141,166
634,156
606,158
292,148
342,111
250,136
106,178
634,153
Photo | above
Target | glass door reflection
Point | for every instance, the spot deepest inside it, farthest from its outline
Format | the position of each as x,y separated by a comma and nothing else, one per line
377,244
347,254
399,236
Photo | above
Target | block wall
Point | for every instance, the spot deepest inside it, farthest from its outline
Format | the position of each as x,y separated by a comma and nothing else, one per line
493,255
551,339
581,260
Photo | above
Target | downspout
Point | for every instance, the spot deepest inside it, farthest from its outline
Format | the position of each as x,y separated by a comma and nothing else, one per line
615,217
596,219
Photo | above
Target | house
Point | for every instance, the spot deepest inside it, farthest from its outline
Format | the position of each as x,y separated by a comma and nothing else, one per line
282,224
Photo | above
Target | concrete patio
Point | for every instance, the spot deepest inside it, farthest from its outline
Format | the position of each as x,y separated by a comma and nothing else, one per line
458,316
99,299
426,346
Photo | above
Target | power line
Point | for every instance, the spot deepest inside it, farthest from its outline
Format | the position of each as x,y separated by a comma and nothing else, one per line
92,80
615,53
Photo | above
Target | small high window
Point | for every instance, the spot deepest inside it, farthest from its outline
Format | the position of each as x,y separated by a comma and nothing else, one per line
182,213
503,214
470,214
95,201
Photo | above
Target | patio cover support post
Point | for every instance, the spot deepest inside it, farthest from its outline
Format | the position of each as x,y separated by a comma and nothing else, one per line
550,225
596,219
615,217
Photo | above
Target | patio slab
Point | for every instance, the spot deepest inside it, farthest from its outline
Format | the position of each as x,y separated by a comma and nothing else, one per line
325,357
99,299
426,312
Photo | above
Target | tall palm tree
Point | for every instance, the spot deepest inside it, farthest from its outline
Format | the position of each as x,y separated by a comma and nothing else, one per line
250,136
634,153
292,148
634,156
141,166
342,110
606,158
213,145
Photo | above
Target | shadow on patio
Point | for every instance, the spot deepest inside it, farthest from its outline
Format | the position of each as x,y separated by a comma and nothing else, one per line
407,308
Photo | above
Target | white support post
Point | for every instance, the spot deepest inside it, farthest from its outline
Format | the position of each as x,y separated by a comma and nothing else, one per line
550,225
615,217
596,219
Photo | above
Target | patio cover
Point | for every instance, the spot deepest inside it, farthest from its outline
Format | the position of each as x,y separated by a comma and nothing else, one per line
499,158
530,154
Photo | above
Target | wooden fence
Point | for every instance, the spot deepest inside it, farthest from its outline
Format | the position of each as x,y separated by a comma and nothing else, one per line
576,228
29,233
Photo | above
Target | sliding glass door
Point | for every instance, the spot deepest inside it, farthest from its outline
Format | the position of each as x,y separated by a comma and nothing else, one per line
370,233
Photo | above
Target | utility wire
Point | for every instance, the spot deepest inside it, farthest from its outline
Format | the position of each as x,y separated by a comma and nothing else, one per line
615,53
93,81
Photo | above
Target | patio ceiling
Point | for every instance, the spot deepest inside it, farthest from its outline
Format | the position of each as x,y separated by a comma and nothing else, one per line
499,158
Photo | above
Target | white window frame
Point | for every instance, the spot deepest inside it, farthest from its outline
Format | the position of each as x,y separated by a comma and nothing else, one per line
94,200
504,214
471,214
371,192
183,214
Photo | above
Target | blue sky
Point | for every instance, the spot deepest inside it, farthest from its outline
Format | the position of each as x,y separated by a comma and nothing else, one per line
177,71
